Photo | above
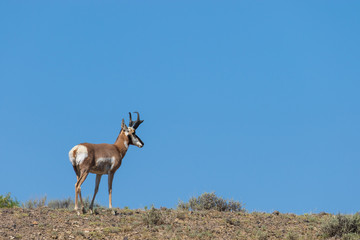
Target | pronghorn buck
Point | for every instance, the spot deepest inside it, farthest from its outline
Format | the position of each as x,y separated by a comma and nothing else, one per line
103,158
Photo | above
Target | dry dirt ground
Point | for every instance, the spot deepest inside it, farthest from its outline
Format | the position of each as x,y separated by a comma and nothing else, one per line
47,223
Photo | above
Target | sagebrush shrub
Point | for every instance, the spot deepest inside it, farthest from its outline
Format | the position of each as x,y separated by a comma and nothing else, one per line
182,205
153,217
209,201
342,225
8,202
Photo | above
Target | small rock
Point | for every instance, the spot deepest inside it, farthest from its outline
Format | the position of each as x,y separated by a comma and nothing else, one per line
323,214
34,223
276,213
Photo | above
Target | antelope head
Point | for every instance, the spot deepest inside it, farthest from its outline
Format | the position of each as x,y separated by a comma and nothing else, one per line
130,131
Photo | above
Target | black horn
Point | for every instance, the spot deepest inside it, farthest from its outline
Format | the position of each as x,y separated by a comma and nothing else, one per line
136,123
131,123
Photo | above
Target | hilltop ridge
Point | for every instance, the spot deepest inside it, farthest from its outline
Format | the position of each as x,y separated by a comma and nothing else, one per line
47,223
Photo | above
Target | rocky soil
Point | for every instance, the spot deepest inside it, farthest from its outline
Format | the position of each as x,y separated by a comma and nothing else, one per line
47,223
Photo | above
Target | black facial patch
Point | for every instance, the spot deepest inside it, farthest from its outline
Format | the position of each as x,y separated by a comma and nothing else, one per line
134,137
130,139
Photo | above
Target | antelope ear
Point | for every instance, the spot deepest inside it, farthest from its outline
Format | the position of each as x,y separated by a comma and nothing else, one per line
123,125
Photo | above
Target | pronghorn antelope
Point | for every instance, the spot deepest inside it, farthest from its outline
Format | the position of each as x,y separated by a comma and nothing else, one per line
103,158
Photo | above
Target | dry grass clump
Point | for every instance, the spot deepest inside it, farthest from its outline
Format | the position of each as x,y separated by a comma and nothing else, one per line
35,203
209,201
67,203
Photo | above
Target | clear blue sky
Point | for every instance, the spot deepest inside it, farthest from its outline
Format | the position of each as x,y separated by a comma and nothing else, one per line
255,100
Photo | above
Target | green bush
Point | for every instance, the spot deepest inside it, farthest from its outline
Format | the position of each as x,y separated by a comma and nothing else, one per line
8,202
345,226
209,201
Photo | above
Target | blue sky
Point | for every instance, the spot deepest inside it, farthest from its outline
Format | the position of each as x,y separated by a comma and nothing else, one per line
255,100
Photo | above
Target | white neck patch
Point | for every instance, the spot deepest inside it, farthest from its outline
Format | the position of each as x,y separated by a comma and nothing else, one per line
126,144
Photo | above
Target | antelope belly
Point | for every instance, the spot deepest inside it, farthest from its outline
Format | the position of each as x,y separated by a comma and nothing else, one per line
103,165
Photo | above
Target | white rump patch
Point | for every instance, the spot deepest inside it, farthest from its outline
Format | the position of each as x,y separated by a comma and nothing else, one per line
71,155
81,153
